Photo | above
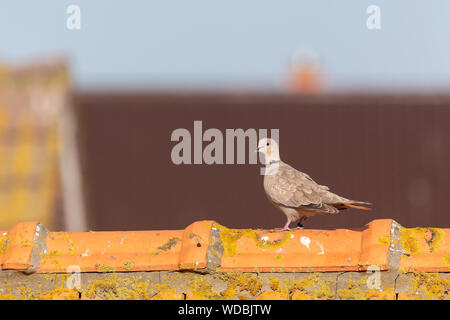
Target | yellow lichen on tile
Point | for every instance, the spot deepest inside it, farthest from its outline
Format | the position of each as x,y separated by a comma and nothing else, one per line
447,260
129,265
105,268
430,286
4,243
411,238
275,284
114,287
230,238
385,239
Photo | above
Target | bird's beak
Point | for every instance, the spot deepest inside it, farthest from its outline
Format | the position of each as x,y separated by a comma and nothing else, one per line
257,149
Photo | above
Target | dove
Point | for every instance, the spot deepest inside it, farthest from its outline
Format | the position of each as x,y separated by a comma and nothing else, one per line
295,193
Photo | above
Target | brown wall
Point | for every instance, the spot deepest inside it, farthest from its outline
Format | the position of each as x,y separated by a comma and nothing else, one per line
392,151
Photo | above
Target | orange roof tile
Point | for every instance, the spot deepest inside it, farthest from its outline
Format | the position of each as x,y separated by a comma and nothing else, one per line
194,245
17,246
112,251
307,250
425,249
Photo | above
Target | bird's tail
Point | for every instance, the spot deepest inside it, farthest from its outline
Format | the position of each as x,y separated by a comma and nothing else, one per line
356,205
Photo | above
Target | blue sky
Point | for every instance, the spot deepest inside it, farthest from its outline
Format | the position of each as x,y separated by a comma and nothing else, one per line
197,43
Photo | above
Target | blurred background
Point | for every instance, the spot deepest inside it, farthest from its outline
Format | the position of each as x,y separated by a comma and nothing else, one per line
87,110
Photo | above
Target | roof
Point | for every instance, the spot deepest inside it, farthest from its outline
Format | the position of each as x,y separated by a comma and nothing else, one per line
212,249
32,98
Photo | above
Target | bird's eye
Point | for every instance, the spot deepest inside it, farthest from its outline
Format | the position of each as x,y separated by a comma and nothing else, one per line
268,143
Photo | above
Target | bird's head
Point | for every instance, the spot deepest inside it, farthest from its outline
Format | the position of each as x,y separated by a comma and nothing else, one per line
269,148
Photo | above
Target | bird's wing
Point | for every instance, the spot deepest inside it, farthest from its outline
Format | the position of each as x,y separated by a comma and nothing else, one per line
292,188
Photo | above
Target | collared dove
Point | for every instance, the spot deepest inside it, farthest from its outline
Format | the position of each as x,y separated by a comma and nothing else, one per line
295,193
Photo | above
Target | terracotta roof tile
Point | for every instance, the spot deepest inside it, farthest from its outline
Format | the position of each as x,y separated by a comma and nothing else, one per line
17,246
305,250
245,250
293,265
194,246
112,251
427,249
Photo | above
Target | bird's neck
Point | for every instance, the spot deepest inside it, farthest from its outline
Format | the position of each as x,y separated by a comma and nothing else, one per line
272,159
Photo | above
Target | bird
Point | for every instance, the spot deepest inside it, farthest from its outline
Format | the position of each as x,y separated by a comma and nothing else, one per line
295,193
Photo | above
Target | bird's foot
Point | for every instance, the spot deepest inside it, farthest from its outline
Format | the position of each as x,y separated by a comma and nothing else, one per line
282,229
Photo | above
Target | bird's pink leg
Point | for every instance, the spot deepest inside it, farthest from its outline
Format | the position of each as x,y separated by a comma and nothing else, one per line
285,228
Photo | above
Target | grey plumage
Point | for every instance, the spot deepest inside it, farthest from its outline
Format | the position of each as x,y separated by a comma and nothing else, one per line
296,193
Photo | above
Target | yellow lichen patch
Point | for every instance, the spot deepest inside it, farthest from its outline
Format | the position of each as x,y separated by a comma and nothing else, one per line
278,258
228,293
230,238
275,284
201,289
434,238
373,294
7,296
351,284
409,242
237,285
105,268
411,238
385,239
24,242
353,290
242,281
299,295
155,288
252,284
35,292
244,295
429,286
114,287
350,294
59,293
362,290
314,286
271,295
447,260
362,281
129,265
357,290
168,294
402,270
4,243
72,248
324,289
65,237
54,253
